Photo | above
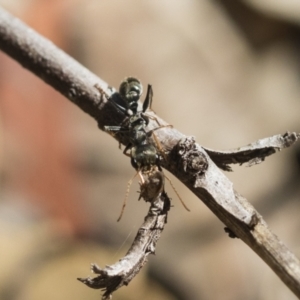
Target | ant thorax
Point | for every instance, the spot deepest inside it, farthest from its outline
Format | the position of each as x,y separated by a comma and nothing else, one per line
136,130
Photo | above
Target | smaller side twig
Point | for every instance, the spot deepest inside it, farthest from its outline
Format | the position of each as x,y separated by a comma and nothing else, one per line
253,153
121,273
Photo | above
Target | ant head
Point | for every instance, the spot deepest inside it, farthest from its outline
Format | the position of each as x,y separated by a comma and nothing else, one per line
131,90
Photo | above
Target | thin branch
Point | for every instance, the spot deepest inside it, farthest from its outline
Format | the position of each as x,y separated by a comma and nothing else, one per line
51,64
190,162
121,273
253,153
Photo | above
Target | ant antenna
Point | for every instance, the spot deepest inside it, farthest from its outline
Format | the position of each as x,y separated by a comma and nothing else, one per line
182,202
126,196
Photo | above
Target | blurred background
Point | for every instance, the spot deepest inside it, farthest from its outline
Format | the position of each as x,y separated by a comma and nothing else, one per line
226,72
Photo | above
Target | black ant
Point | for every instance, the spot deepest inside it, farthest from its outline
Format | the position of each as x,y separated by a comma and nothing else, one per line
144,156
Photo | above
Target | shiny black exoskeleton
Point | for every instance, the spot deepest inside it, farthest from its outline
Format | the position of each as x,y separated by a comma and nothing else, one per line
142,152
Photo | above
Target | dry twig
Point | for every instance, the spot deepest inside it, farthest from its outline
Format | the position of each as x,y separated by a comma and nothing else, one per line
121,273
194,165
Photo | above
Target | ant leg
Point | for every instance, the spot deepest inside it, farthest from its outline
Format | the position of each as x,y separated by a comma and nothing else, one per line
148,103
161,126
113,129
126,196
157,142
182,202
160,148
129,146
148,100
157,122
141,177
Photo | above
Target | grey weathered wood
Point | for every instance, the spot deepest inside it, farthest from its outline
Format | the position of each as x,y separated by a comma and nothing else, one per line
113,277
191,163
